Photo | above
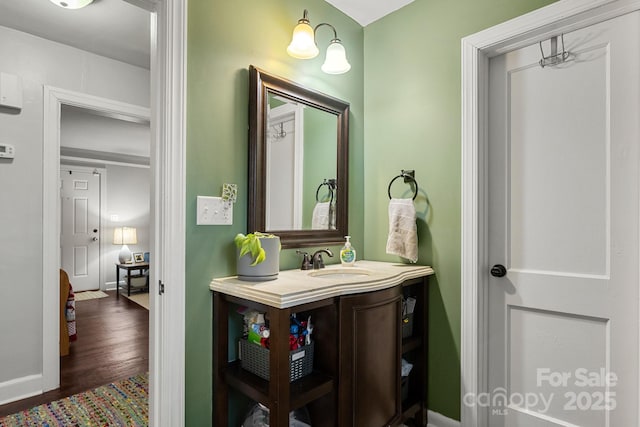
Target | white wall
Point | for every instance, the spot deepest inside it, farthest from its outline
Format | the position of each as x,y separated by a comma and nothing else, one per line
86,130
128,190
38,62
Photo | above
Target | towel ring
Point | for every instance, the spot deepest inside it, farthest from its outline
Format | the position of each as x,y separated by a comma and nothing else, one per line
407,177
328,184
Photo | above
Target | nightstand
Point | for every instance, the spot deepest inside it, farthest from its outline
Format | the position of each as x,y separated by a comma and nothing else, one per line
141,268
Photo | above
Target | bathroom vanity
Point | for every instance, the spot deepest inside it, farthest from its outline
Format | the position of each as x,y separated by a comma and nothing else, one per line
358,341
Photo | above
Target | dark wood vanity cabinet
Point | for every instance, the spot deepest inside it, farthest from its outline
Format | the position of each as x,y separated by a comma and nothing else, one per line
371,350
356,378
370,354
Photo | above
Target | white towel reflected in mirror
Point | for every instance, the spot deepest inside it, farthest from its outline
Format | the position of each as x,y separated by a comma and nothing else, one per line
323,217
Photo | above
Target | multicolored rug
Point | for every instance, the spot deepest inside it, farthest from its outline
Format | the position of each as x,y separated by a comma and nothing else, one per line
122,403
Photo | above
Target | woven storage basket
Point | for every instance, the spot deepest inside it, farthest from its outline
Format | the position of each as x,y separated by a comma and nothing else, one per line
255,359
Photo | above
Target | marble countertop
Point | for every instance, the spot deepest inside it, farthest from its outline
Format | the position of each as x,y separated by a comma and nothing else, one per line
295,287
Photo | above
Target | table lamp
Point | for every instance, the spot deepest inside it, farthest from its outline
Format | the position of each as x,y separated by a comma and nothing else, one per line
124,236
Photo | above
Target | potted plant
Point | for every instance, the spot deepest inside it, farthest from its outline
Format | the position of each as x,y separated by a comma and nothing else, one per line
258,256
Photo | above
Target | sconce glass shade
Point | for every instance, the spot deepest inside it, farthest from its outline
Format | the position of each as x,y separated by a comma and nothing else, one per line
336,60
303,43
72,4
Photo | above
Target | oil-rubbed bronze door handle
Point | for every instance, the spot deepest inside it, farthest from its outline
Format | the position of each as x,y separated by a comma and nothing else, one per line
498,270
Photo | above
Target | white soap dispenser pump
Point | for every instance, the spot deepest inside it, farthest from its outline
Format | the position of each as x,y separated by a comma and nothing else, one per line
347,253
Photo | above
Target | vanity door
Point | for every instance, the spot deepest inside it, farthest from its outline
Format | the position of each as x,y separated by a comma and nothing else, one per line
370,358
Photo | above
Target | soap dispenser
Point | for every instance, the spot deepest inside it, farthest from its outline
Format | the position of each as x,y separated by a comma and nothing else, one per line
347,253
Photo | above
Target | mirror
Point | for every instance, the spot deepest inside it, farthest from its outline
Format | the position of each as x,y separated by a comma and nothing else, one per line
298,162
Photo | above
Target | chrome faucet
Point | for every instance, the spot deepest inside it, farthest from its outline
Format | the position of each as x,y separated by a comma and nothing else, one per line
317,260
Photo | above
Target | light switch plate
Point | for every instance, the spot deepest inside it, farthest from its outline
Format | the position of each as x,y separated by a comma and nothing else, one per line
7,151
213,211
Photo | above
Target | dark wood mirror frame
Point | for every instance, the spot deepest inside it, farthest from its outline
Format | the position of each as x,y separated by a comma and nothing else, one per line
261,83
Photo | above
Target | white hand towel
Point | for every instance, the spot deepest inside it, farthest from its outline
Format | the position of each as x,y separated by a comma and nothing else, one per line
321,215
403,231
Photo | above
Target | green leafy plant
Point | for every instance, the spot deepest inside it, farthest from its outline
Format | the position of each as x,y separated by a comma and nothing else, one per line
251,244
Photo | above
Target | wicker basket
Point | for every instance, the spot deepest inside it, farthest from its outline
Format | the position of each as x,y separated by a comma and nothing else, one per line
255,359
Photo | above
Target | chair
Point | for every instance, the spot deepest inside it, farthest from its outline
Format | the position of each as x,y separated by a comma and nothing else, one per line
65,287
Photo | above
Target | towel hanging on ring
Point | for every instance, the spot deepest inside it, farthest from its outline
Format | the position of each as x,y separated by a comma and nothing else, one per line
403,230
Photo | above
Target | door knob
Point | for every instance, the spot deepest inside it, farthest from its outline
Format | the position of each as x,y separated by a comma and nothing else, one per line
498,270
95,239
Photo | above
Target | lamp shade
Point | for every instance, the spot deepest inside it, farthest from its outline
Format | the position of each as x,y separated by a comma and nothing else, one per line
72,4
303,44
336,60
125,236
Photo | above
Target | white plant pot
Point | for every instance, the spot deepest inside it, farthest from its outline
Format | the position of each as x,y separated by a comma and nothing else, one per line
267,269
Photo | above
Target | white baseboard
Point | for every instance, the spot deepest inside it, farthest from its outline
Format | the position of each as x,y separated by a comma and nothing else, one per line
110,286
438,420
20,388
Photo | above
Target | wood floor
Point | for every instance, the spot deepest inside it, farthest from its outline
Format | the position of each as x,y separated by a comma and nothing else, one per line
113,343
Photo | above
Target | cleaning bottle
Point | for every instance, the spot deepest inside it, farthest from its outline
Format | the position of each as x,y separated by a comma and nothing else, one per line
347,253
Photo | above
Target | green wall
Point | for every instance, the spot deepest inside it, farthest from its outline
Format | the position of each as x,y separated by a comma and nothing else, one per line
320,130
224,38
412,121
410,97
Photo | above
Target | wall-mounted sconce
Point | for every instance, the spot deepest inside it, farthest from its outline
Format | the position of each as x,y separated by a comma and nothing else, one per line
72,4
303,46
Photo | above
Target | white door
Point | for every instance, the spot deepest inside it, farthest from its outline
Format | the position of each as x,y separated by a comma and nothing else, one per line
563,220
80,230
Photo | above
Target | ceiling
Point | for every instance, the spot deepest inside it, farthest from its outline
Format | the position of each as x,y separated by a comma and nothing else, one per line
111,28
119,30
365,12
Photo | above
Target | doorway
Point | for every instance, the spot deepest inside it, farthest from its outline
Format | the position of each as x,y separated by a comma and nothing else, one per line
168,129
29,370
105,184
116,152
53,117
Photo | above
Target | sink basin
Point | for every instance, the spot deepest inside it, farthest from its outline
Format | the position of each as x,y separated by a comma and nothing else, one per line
340,273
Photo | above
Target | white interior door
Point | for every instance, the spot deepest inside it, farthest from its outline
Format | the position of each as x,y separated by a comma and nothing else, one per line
563,221
80,229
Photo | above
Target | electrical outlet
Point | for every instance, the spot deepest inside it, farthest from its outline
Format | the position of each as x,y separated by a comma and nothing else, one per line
213,211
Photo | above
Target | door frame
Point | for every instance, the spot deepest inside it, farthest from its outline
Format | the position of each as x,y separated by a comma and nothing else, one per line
54,98
168,188
561,17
